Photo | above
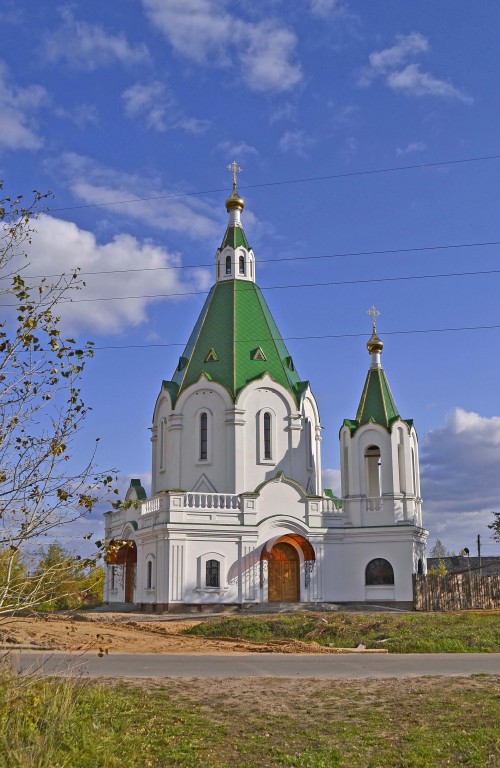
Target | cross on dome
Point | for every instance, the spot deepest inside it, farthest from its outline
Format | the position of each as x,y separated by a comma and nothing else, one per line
374,314
234,168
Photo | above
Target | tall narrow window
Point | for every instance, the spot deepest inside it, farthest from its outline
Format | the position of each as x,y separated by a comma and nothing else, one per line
242,265
113,575
149,575
212,576
267,436
163,427
228,265
373,466
203,437
218,269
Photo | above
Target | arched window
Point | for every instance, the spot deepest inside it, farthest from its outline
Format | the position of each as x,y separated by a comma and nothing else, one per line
420,566
373,465
163,429
218,269
267,436
242,265
149,575
113,577
228,265
203,437
413,472
379,572
212,573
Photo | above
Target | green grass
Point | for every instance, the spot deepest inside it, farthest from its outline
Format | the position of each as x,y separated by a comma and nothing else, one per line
399,633
244,723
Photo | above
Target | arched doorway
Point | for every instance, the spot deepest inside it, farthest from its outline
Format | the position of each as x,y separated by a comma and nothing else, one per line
124,553
283,574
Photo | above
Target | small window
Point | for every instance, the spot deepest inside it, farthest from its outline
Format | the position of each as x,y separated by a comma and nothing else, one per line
218,269
113,575
228,265
379,572
212,578
149,575
267,436
420,567
242,265
203,437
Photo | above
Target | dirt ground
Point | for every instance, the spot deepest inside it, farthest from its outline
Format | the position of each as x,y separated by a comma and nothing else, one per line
128,634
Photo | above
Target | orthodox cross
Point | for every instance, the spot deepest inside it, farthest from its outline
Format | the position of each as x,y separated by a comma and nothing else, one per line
235,168
374,314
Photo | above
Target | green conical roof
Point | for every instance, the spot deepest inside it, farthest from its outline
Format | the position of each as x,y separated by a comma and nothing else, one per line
234,237
377,402
235,341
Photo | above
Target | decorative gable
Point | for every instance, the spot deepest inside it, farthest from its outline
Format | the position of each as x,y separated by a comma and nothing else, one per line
212,356
257,354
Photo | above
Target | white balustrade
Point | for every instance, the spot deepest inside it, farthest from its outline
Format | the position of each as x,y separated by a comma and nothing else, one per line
152,505
330,508
212,501
374,504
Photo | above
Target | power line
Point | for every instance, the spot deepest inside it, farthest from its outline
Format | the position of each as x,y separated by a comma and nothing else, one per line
309,338
321,284
420,249
374,171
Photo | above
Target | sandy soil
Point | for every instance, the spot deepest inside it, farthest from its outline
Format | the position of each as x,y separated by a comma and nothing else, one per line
129,634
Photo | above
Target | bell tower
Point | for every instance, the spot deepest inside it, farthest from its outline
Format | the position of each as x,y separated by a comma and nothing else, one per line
379,453
234,259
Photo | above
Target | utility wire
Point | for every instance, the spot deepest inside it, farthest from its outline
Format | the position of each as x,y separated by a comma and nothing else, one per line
371,172
282,287
308,338
445,247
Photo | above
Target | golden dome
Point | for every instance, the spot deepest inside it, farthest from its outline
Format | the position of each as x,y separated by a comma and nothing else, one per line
234,201
374,344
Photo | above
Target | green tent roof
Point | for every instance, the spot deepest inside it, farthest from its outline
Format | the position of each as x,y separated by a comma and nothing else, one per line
377,404
234,237
235,321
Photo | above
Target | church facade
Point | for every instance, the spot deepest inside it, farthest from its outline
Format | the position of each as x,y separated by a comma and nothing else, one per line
237,513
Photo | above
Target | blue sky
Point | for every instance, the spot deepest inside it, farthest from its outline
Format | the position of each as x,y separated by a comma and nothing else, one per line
111,102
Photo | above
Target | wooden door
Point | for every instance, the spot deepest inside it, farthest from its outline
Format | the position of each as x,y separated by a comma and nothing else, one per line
129,582
283,573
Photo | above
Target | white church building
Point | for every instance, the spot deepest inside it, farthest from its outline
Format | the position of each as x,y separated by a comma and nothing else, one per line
237,513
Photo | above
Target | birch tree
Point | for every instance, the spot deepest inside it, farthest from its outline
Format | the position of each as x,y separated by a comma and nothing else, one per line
43,485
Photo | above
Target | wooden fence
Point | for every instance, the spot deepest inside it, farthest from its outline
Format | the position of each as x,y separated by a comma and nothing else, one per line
456,591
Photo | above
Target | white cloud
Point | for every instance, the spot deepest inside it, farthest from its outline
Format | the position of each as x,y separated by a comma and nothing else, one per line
331,479
18,129
81,115
204,32
401,74
92,183
286,111
414,146
59,246
323,8
405,47
295,142
234,149
159,109
460,478
88,46
412,81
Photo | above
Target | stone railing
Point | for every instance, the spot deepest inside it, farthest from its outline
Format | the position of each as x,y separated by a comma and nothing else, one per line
330,508
212,501
191,501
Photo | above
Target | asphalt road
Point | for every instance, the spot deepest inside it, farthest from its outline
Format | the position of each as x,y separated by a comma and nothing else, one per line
349,666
